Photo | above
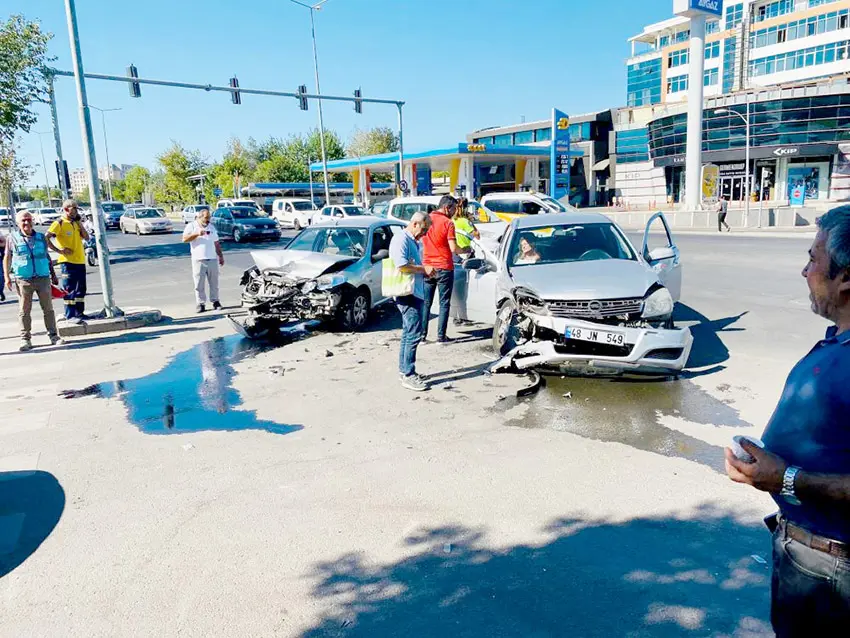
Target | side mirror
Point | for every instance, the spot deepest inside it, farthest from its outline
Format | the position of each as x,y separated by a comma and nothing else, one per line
340,215
476,264
661,253
381,255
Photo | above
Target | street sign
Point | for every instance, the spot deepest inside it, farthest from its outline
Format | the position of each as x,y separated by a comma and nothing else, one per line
217,192
402,185
559,160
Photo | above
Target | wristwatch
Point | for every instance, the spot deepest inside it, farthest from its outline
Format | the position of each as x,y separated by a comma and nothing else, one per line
788,480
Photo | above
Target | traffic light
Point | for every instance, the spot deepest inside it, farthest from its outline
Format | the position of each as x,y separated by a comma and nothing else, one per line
135,87
358,103
235,96
63,176
302,100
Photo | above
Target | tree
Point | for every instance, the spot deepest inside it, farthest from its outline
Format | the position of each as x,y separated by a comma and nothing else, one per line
135,182
178,165
23,54
118,191
12,170
373,141
281,168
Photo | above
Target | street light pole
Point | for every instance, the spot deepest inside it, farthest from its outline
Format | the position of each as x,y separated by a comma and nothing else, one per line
746,119
103,113
313,8
44,164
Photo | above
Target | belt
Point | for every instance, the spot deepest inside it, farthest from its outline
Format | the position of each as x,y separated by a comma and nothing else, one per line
818,543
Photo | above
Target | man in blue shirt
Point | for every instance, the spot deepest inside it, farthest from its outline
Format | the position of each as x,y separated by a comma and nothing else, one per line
407,257
805,465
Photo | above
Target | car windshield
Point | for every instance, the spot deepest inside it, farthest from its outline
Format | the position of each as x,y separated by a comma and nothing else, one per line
303,206
572,242
147,213
112,207
245,202
554,203
349,242
352,210
245,213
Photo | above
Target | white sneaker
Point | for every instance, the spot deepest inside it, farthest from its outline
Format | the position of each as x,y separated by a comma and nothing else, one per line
414,382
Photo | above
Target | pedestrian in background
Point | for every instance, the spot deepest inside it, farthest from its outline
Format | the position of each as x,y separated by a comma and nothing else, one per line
439,248
207,256
403,279
805,465
69,236
722,210
26,257
465,232
3,278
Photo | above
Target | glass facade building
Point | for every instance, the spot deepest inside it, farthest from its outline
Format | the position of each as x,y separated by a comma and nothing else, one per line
644,83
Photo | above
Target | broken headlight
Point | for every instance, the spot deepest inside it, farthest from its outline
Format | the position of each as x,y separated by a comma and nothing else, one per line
328,282
528,301
309,286
658,305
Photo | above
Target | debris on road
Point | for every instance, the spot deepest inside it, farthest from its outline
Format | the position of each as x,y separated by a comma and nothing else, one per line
536,383
568,395
328,353
277,370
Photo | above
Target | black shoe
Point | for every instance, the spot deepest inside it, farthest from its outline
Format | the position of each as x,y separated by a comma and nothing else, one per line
445,341
201,308
216,305
2,296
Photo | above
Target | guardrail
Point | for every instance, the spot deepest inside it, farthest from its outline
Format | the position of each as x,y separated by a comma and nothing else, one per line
779,218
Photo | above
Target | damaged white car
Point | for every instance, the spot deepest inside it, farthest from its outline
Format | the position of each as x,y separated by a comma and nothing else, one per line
330,273
570,293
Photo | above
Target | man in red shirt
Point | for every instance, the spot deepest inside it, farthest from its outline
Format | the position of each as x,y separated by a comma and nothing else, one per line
439,248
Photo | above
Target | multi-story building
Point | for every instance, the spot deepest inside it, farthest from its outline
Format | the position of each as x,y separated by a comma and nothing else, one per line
79,181
589,172
783,65
113,172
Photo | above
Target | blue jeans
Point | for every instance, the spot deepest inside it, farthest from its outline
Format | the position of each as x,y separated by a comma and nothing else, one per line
810,590
410,308
445,281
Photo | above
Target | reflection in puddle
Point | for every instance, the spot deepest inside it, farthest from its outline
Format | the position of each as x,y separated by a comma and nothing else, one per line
629,412
193,392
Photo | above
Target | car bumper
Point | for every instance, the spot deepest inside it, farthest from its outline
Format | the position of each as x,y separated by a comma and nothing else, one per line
256,234
646,350
154,231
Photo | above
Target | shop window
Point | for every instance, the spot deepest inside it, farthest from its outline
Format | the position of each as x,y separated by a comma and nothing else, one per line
523,137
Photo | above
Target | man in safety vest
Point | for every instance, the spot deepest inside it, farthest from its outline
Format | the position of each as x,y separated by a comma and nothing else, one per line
69,236
26,259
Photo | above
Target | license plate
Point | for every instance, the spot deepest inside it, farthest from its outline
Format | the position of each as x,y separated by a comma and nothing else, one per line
269,231
596,336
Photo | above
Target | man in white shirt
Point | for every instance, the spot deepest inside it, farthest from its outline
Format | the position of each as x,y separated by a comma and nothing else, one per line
206,258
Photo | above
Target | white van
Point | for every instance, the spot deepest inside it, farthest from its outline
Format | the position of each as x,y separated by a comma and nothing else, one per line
403,208
294,212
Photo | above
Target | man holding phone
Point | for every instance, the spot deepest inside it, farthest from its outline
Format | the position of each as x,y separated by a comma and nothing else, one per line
66,236
206,258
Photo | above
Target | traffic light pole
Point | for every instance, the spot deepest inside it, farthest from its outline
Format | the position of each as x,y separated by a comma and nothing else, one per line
109,307
63,185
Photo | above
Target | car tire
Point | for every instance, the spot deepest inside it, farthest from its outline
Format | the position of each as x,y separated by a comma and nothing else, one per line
297,225
354,313
138,232
237,236
506,335
123,229
91,259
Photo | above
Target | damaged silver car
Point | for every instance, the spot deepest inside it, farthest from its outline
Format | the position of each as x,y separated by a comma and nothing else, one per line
570,293
330,273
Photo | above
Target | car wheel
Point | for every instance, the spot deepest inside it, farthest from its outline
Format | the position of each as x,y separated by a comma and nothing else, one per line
297,225
506,335
90,258
138,232
237,236
354,314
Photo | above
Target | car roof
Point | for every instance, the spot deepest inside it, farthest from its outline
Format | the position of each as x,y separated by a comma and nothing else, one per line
513,195
360,221
559,219
417,199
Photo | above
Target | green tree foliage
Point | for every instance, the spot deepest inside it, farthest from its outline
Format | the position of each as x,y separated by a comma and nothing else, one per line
118,191
373,141
41,194
12,170
178,165
134,184
23,53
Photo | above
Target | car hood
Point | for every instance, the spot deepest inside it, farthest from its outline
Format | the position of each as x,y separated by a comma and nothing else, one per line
256,221
586,280
300,263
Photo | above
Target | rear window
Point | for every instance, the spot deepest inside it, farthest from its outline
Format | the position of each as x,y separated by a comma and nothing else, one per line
406,211
510,206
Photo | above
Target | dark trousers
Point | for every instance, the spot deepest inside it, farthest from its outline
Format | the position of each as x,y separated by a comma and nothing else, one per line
445,281
73,281
410,308
810,590
721,222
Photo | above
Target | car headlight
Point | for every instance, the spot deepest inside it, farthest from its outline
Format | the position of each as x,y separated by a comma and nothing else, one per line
327,282
658,305
310,286
530,301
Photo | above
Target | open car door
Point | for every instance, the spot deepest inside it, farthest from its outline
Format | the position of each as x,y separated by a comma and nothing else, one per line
664,256
482,278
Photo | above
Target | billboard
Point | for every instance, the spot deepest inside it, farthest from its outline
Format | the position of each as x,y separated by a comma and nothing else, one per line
559,160
693,8
710,182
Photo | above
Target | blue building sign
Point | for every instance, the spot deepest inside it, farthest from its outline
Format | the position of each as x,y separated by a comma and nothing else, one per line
693,8
559,166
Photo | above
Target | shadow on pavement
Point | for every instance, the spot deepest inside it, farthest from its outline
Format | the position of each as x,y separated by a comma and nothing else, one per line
127,337
31,504
177,249
708,348
644,577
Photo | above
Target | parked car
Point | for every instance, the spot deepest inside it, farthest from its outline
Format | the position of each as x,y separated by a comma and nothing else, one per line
240,223
296,213
6,218
227,203
112,212
508,206
45,216
570,292
329,272
144,221
403,208
337,211
378,209
191,212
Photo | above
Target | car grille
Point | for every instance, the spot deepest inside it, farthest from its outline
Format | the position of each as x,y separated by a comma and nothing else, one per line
586,348
601,309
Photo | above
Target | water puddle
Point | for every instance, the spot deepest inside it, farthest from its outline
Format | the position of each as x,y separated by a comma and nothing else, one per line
630,412
192,393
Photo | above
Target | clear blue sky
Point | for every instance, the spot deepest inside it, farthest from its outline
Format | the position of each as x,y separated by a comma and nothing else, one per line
458,64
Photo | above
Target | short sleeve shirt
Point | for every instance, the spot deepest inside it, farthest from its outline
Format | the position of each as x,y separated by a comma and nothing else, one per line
810,428
404,251
435,244
463,232
202,247
67,235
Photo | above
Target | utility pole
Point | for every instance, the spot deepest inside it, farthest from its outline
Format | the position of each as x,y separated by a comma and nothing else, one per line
44,164
65,188
90,158
103,113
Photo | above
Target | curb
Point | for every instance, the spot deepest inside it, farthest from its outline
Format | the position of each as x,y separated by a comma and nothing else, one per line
133,318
